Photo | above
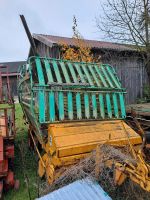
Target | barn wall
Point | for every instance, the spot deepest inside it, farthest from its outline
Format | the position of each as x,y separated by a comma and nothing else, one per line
13,85
44,50
132,74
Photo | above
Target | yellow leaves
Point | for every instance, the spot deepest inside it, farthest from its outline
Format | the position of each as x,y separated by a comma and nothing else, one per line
79,51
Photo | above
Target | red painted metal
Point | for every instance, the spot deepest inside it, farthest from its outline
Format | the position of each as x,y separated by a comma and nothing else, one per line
1,189
1,149
9,151
17,184
7,132
1,89
3,168
10,181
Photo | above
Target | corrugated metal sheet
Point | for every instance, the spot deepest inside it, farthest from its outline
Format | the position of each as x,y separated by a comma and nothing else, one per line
78,190
50,39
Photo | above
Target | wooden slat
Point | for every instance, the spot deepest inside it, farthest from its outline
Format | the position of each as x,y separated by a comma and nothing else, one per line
91,68
101,76
111,74
72,72
57,72
115,103
70,106
61,105
94,105
66,75
87,74
122,106
52,106
101,102
107,76
80,73
78,106
86,102
48,71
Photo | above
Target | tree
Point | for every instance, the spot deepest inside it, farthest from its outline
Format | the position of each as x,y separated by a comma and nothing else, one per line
80,51
128,21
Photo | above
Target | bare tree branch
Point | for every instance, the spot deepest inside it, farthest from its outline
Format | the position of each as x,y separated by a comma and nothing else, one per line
128,21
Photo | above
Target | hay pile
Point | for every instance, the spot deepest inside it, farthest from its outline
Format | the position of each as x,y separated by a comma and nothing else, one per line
94,168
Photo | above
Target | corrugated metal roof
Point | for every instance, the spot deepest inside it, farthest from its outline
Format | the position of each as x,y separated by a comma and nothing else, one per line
51,39
78,190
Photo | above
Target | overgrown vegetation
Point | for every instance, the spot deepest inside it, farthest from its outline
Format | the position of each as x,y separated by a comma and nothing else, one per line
30,164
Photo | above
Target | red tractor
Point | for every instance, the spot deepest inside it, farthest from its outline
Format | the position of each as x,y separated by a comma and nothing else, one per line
7,133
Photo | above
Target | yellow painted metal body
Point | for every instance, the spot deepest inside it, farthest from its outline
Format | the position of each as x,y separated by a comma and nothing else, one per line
69,142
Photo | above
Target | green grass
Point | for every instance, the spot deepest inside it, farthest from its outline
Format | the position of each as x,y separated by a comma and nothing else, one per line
30,167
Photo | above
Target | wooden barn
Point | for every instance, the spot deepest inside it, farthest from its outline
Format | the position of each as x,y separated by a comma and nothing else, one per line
12,73
126,60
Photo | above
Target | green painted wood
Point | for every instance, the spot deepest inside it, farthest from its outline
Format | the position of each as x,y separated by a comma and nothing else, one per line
100,76
78,105
94,105
87,74
63,67
80,73
107,76
41,95
109,69
115,105
108,103
39,71
51,106
122,105
75,79
114,72
101,102
91,68
70,105
48,71
61,105
57,72
86,103
41,106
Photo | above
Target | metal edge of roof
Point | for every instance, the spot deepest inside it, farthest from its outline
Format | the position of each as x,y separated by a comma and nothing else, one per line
79,190
44,39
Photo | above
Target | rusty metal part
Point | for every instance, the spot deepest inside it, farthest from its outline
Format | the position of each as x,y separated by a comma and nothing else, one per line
142,110
37,150
138,172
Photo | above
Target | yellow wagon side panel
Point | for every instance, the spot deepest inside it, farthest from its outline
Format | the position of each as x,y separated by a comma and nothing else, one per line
82,137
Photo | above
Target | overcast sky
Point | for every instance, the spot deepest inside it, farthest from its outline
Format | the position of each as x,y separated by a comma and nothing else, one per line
43,16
